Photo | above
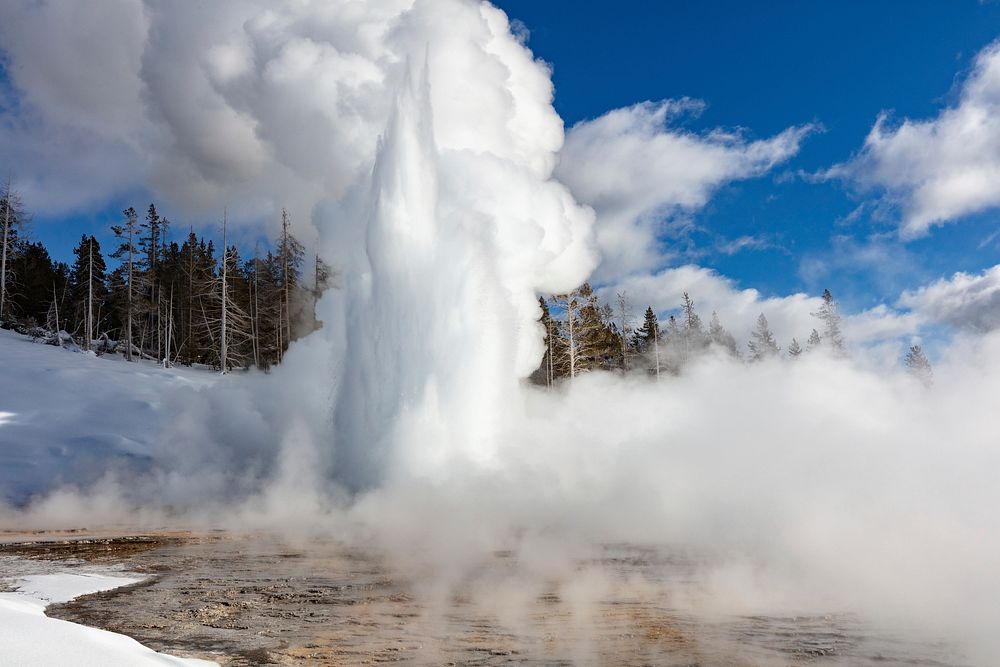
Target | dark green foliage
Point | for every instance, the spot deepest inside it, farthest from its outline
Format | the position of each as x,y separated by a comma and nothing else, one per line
37,283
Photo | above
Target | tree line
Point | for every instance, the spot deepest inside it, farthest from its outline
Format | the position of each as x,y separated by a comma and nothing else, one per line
176,301
185,302
582,334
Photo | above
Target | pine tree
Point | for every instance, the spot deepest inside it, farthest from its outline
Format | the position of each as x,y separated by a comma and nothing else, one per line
548,370
34,274
794,349
646,339
919,366
127,234
624,316
814,341
87,288
590,339
152,234
694,338
763,346
719,336
599,340
830,318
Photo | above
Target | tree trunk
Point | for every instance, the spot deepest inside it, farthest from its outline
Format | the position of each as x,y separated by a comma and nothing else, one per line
225,306
55,306
656,351
90,292
570,302
170,328
3,260
128,324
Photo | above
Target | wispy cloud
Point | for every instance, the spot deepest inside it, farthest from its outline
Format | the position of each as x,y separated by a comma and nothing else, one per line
939,169
638,170
964,301
743,243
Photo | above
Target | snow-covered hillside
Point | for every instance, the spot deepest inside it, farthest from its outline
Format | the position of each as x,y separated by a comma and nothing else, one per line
65,417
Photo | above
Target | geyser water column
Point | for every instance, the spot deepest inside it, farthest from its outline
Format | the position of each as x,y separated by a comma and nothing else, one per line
462,226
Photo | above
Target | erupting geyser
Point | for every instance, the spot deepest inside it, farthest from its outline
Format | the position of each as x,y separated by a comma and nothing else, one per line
455,231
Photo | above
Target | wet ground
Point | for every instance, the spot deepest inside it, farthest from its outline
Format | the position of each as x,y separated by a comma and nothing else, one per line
259,601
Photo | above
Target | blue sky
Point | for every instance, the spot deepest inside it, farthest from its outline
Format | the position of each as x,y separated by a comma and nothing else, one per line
760,69
767,66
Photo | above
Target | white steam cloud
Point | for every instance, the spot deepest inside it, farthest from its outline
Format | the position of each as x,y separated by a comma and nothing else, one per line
423,135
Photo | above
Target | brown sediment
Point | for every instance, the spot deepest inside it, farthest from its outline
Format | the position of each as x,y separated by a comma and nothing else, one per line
252,600
255,600
99,548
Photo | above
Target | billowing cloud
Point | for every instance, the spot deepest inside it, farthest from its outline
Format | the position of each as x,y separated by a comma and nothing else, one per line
252,104
635,169
939,169
965,301
74,127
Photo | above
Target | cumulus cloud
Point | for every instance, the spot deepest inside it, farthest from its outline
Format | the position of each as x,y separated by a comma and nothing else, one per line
939,169
636,169
965,301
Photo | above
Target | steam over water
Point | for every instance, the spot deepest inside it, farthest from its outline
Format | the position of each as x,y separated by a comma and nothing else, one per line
405,425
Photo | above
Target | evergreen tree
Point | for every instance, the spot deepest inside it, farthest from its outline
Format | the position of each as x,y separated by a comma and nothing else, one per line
40,283
919,366
794,349
549,371
814,341
624,330
89,293
152,235
673,346
718,335
127,235
694,338
590,339
599,339
830,319
763,345
646,340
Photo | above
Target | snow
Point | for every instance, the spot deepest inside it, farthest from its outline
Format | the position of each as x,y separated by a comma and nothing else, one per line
28,637
65,417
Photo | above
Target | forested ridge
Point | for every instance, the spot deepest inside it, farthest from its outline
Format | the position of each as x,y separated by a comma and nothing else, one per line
173,298
583,334
186,301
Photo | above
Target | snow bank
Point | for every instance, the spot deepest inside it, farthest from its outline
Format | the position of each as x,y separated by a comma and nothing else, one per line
70,418
29,637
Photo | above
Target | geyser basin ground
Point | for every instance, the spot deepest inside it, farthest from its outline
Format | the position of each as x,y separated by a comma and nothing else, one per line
254,599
